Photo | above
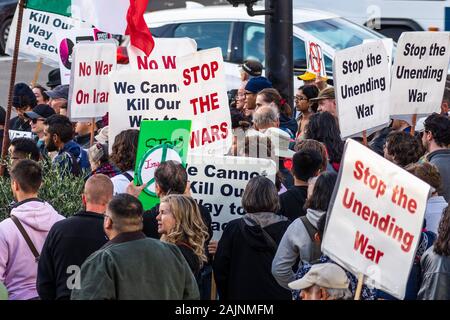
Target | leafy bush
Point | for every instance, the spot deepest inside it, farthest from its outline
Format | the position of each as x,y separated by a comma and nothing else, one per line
62,191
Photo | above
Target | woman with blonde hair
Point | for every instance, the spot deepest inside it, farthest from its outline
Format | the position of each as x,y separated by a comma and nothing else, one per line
180,223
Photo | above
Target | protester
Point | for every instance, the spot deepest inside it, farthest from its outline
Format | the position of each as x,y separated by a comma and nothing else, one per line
308,78
58,133
24,100
71,241
23,234
252,88
41,96
102,136
250,69
247,247
58,99
266,117
298,242
99,161
323,127
83,133
314,145
180,223
435,204
123,156
305,106
402,149
436,140
37,118
324,281
435,264
306,164
54,78
327,101
149,269
240,97
23,148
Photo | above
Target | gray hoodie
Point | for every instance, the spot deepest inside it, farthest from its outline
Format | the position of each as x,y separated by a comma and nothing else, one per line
295,244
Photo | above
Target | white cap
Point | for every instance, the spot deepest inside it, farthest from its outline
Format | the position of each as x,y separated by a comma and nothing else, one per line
325,275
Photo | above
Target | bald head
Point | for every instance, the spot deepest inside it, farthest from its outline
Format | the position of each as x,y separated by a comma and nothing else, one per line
98,190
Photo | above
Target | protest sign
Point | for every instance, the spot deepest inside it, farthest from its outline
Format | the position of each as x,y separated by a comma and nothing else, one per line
164,54
203,92
218,183
13,134
38,36
361,78
159,141
315,61
89,90
375,218
66,40
419,73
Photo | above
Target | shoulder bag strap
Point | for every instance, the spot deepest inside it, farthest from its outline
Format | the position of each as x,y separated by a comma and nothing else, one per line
315,247
127,175
26,237
266,235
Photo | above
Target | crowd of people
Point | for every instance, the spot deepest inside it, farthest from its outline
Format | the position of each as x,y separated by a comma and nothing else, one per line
114,249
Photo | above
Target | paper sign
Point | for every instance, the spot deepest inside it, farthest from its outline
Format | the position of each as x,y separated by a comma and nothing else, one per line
375,219
13,134
218,184
315,60
159,141
361,79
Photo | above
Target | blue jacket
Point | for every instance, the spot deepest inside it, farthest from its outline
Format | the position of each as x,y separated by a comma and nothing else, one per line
64,158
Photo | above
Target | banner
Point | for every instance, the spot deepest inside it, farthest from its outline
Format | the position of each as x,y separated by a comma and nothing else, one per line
375,219
159,141
89,89
361,81
315,60
203,92
218,183
419,73
38,36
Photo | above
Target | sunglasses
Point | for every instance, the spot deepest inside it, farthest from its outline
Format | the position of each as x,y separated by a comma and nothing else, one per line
34,121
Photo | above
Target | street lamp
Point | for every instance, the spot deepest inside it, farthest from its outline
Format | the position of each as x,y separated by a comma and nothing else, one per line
249,4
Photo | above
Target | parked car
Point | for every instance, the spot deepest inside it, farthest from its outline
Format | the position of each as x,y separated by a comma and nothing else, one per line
7,8
241,36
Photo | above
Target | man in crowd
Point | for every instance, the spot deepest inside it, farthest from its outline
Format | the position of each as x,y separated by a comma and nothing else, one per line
23,234
436,140
54,79
327,101
58,134
250,69
252,88
37,118
70,242
402,149
149,269
83,133
58,98
23,148
266,117
24,100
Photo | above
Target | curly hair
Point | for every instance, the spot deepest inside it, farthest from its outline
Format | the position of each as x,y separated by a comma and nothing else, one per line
404,148
439,126
442,244
272,95
427,172
124,149
189,226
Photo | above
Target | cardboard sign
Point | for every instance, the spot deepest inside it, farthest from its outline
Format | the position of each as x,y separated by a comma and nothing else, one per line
66,41
218,183
13,134
164,54
203,92
315,60
159,141
38,35
375,219
419,73
361,78
89,90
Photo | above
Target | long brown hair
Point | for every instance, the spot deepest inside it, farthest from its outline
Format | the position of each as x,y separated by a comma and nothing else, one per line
442,244
272,95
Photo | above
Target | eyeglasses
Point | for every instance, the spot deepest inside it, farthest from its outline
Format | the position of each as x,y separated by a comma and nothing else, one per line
34,121
300,98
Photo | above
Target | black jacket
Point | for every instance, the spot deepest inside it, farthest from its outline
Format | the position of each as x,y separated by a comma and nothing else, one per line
292,202
18,124
68,244
243,261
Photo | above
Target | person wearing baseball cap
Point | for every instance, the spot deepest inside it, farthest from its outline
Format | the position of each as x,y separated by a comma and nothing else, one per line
324,281
58,98
250,69
327,101
36,118
308,77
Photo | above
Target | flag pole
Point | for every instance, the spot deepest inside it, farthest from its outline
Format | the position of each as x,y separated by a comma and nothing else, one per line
413,124
359,286
364,134
92,132
37,72
12,80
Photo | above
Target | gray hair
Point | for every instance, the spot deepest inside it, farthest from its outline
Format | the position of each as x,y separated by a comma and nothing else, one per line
260,195
265,116
339,294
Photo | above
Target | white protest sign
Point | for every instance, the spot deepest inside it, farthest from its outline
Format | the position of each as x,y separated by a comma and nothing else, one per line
13,134
218,183
164,54
38,36
419,73
375,219
315,60
203,92
361,80
89,90
66,40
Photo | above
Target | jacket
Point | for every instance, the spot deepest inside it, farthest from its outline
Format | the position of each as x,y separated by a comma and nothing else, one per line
288,125
441,159
84,140
436,276
294,246
244,257
433,212
18,124
133,267
69,243
64,160
292,202
18,266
